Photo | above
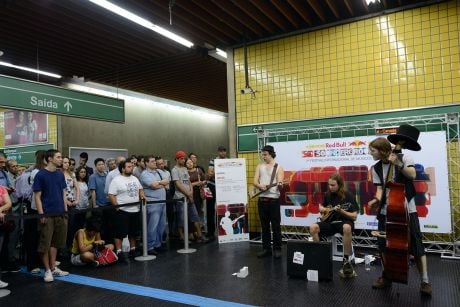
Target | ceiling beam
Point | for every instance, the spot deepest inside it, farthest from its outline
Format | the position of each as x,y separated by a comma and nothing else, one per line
288,13
318,9
208,22
270,13
364,5
349,6
242,17
302,11
333,8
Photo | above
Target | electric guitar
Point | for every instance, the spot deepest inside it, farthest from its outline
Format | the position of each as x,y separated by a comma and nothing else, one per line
254,191
331,213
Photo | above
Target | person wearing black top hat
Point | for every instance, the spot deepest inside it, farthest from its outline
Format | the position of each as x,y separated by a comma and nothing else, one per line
268,176
402,171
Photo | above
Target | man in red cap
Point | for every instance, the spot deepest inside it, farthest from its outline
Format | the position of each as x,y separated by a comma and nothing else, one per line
184,189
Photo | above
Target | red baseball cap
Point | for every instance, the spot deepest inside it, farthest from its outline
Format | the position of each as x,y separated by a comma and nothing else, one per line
180,154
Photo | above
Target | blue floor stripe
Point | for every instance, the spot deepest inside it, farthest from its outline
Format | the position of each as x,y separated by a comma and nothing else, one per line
165,295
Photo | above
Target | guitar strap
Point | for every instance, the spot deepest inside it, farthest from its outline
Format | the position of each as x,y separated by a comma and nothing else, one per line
273,173
379,171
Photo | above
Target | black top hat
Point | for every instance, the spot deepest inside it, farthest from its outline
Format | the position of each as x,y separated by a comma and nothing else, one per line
407,137
268,148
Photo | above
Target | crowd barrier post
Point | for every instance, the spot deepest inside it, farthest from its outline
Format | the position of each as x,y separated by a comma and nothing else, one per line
186,249
145,256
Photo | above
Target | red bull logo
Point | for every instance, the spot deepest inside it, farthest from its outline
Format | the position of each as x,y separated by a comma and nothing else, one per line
357,143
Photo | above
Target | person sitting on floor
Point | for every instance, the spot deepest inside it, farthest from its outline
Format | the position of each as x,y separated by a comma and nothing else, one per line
338,213
85,241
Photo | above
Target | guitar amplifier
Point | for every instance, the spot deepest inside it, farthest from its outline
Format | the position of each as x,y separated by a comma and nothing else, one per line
306,255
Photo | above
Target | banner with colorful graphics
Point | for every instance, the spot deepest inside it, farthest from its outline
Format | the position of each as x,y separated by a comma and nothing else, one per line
25,128
308,165
231,200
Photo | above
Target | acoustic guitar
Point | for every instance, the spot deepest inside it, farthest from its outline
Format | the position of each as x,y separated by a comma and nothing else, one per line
331,213
254,191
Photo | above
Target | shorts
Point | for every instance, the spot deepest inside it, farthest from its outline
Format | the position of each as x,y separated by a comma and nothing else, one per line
192,213
53,233
330,229
76,260
127,224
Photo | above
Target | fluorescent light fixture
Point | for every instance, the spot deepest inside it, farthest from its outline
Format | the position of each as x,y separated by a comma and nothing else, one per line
218,54
141,21
368,2
41,72
108,91
221,53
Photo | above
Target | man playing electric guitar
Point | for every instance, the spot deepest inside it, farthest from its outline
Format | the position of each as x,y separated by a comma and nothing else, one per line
339,211
267,173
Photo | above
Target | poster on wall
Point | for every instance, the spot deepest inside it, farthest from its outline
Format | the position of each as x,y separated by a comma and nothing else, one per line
308,165
231,200
24,128
94,153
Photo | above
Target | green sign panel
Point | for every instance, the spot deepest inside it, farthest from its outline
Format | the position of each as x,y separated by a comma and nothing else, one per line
25,154
38,97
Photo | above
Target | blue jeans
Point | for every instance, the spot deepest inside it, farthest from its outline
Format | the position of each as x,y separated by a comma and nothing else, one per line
156,223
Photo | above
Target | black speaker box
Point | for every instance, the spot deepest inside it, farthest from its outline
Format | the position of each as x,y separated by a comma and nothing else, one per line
316,256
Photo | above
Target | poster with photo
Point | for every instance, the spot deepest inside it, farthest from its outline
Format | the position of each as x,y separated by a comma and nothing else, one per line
25,127
231,200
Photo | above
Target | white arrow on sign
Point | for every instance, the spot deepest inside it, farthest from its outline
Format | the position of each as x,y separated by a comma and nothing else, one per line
68,106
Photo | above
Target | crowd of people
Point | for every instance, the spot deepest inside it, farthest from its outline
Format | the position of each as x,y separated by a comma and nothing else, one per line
79,209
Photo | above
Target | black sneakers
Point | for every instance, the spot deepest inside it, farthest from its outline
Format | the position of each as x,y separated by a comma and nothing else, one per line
11,267
264,253
347,270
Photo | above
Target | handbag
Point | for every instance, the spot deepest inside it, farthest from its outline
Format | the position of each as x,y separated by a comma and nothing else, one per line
105,257
205,192
7,226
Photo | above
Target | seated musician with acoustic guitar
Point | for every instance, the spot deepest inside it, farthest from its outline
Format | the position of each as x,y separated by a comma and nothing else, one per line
404,172
338,213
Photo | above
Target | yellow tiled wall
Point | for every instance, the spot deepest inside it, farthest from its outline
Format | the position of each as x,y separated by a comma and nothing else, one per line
401,60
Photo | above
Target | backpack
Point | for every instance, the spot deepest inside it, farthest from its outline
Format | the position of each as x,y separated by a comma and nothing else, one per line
24,186
172,190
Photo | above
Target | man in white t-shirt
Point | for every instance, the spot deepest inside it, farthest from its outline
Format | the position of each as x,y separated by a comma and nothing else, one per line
126,189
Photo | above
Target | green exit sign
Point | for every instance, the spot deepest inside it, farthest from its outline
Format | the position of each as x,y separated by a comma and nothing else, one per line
25,154
38,97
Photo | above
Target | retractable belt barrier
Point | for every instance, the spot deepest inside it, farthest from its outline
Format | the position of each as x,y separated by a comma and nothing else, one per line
19,216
